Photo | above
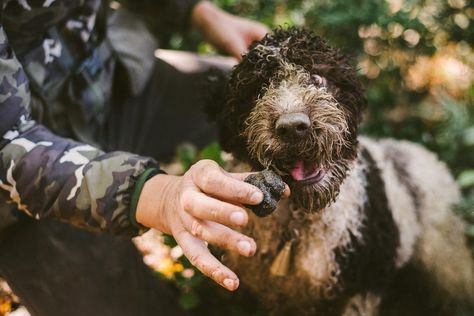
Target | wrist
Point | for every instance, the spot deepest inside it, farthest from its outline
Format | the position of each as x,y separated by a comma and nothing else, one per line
155,198
139,184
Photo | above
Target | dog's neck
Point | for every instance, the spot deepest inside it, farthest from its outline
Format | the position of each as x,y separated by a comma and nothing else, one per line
337,220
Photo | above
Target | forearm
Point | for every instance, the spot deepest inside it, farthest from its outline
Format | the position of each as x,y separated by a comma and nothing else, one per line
46,176
228,33
203,15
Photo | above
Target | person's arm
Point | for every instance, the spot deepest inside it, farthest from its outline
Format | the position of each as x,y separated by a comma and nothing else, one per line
200,207
228,33
46,175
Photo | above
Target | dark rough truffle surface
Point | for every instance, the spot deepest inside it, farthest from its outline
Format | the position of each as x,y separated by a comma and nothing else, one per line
272,187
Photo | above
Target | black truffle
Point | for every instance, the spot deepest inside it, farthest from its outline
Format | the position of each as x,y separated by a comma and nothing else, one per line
272,187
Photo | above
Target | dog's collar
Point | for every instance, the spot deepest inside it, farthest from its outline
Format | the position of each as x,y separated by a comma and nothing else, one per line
292,219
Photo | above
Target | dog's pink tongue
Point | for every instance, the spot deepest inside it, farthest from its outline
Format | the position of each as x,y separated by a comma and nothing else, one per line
302,171
298,171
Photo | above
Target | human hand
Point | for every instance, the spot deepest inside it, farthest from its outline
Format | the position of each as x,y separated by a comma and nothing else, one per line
226,32
197,208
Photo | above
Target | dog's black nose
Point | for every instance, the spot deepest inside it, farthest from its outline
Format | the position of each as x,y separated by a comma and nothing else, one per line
292,126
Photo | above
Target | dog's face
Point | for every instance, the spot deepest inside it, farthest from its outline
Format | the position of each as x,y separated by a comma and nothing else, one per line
293,105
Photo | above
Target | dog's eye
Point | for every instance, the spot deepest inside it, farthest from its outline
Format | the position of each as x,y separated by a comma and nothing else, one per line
319,81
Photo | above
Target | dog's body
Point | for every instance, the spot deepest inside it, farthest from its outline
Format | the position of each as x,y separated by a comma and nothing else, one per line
361,211
393,209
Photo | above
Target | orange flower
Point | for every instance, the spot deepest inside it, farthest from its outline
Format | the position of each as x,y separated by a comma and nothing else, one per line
168,268
5,307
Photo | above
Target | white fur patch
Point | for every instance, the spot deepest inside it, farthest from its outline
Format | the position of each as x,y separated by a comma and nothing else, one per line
363,305
332,229
400,203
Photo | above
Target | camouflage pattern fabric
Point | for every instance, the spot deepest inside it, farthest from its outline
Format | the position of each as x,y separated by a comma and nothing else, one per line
46,175
41,173
64,108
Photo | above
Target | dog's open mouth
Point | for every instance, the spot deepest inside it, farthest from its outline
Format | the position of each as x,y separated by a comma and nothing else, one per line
307,172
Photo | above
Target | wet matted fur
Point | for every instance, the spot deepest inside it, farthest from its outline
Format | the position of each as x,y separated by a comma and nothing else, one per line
364,211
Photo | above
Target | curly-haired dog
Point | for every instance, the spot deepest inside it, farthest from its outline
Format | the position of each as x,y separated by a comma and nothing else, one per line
362,213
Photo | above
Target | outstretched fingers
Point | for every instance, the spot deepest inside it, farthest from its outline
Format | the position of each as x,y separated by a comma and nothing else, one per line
214,181
205,207
220,235
197,253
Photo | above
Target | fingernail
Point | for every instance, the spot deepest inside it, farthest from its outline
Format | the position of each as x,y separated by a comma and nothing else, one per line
229,284
244,247
238,218
256,197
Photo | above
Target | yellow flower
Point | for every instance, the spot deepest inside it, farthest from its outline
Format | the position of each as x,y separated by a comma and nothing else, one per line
168,268
5,307
178,267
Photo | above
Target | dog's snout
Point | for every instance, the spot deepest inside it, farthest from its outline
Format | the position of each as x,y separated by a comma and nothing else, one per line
292,126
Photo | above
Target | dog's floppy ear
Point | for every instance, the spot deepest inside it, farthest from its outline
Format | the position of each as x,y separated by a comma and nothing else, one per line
217,107
215,93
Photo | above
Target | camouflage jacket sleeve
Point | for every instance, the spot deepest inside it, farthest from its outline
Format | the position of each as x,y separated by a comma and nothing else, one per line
46,175
165,15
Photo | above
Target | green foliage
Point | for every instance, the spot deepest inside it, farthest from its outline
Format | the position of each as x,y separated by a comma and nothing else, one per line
188,154
466,178
213,152
188,300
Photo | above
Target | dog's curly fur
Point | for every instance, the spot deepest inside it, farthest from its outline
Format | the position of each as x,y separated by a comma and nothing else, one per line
381,208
